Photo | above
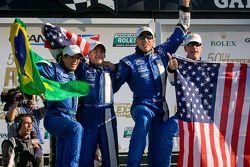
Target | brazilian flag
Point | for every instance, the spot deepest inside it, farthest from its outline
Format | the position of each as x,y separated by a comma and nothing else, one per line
29,78
28,75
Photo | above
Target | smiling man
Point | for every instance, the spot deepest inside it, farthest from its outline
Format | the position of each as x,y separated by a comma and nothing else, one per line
145,71
59,119
96,111
193,46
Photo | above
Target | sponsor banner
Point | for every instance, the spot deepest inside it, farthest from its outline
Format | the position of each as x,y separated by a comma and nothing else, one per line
124,40
128,132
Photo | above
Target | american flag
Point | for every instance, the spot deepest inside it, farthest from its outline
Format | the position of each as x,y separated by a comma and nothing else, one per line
95,37
58,37
213,106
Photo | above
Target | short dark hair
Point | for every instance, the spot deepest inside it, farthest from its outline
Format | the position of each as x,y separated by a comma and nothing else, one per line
20,118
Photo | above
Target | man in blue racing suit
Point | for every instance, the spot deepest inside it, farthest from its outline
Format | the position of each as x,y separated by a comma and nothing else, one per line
60,120
145,71
96,111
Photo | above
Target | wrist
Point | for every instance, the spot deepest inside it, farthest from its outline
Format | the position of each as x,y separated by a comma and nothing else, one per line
185,8
170,70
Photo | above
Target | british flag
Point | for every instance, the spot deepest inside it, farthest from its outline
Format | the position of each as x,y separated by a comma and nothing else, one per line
213,106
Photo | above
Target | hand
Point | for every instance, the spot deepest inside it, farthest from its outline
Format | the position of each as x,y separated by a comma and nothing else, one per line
18,96
172,63
36,146
186,3
109,64
42,97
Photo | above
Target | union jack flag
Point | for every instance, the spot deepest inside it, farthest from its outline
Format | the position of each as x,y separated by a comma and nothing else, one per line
213,106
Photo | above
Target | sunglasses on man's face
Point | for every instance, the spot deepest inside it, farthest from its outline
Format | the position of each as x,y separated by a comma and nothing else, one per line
144,36
194,44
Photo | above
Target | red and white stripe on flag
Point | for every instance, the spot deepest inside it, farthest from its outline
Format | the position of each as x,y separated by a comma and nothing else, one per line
226,141
83,44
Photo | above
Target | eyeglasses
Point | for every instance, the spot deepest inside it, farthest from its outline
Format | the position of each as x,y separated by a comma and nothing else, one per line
144,36
193,44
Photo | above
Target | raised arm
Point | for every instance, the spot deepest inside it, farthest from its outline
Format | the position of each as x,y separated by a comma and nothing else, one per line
13,109
174,41
184,14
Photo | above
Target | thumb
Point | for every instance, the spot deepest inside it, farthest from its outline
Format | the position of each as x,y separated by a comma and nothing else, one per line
169,56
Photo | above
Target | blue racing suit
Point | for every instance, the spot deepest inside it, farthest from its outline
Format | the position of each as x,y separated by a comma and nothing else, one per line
96,115
60,120
146,75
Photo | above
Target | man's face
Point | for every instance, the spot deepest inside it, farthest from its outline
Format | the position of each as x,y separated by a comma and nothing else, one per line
71,62
26,126
193,50
145,41
97,55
